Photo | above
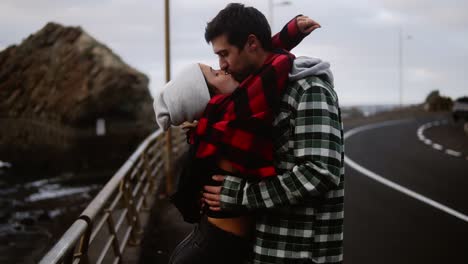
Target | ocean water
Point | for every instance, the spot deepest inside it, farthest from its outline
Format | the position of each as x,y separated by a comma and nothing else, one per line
34,211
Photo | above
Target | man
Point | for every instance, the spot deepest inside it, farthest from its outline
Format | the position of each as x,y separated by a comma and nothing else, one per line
299,212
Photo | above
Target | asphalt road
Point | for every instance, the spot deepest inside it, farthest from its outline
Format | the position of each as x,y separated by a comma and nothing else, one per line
384,225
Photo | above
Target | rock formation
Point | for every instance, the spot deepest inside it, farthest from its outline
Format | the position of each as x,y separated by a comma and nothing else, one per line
63,74
57,83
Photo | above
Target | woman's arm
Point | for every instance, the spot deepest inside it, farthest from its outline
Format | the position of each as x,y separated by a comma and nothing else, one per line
294,32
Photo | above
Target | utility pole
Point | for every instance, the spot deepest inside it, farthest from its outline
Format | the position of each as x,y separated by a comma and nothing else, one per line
400,63
401,39
168,167
270,13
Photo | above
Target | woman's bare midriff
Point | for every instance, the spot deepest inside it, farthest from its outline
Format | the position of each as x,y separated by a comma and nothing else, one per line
241,225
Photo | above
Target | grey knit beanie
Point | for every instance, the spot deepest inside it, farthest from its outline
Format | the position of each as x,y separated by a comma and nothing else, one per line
182,99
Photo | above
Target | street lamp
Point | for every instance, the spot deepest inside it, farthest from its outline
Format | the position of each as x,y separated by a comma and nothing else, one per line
271,5
400,61
168,134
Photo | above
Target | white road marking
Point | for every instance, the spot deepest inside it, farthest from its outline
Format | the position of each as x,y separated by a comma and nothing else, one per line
453,152
421,137
391,184
5,164
437,146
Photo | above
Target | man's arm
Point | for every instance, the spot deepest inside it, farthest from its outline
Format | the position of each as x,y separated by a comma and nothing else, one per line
294,32
318,145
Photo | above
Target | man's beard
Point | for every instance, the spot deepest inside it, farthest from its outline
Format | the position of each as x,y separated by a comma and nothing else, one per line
241,76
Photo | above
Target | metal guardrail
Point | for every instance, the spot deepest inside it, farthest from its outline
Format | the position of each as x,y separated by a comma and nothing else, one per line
111,221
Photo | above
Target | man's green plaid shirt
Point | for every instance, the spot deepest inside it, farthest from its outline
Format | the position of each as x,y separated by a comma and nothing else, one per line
299,213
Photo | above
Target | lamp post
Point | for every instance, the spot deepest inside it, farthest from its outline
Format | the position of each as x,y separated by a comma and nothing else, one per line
167,42
400,62
271,5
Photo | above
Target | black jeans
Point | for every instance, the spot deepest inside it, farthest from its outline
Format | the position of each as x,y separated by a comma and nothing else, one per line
208,244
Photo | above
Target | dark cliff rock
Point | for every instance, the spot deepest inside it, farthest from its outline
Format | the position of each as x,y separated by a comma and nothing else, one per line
54,87
63,74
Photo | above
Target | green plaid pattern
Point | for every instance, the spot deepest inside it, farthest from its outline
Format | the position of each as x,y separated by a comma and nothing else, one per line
299,213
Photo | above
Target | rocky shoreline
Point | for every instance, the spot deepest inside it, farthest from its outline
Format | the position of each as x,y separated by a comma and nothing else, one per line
35,213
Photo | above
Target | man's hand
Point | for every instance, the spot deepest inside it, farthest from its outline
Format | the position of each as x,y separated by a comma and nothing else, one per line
306,24
211,194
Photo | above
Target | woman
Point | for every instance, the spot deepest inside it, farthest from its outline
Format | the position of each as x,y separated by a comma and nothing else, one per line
184,100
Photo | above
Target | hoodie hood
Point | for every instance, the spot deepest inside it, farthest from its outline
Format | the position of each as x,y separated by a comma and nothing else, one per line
307,66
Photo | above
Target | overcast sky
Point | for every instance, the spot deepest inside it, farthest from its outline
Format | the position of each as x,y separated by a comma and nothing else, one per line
359,38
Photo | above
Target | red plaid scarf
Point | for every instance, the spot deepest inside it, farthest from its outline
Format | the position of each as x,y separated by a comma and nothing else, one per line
238,127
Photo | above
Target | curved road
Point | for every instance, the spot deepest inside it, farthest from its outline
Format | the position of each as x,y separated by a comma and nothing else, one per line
386,225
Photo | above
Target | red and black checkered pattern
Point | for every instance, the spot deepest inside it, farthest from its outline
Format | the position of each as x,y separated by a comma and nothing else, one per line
238,127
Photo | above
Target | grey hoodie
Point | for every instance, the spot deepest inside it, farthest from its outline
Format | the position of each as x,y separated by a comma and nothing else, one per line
307,66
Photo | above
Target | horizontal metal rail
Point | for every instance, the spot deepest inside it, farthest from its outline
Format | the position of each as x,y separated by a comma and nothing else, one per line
111,221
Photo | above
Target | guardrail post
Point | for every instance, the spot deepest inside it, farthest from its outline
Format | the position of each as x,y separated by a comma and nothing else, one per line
132,218
84,243
150,178
115,241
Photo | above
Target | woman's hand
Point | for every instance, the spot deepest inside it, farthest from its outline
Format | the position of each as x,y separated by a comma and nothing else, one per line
187,125
306,24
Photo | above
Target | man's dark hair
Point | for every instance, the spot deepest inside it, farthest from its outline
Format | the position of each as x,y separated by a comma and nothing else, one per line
238,22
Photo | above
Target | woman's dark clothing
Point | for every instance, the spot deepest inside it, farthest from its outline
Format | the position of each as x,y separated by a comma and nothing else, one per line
197,173
208,244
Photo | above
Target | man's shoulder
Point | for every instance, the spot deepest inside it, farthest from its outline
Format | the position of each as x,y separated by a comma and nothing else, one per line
311,81
309,84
